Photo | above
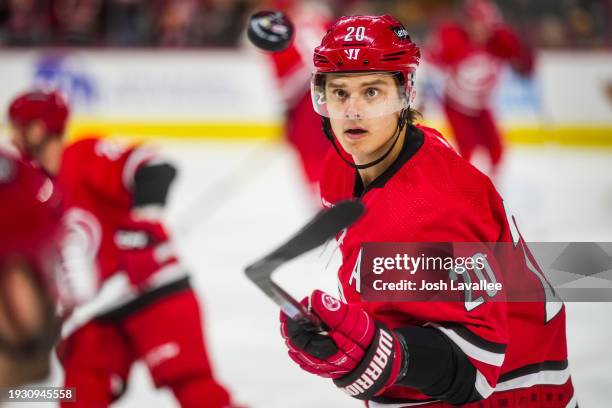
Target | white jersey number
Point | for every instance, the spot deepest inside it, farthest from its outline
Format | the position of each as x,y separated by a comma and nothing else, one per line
357,32
553,303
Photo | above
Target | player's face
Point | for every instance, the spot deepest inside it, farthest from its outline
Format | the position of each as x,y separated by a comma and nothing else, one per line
33,140
24,314
478,30
363,110
18,137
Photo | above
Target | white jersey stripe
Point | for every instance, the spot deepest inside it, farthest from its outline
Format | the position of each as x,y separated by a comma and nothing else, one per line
471,350
372,404
482,385
550,377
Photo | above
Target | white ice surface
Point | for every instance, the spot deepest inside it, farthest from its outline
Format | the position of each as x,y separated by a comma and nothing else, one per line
234,202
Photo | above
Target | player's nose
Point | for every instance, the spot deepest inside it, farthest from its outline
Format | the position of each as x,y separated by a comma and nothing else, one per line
354,108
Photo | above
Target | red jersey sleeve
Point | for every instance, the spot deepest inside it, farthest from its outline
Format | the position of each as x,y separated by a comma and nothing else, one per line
105,167
506,44
447,45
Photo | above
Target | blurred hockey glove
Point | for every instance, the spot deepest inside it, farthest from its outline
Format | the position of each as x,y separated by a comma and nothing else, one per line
144,249
362,356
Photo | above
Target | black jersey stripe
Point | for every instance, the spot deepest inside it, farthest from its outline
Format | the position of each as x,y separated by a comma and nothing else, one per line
391,400
146,299
534,368
474,339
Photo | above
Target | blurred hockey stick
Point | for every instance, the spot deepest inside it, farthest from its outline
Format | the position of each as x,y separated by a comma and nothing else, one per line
227,185
323,227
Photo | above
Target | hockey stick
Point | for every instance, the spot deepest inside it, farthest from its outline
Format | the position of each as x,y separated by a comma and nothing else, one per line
324,226
223,189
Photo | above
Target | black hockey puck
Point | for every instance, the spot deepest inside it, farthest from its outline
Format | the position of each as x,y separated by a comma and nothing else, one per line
270,30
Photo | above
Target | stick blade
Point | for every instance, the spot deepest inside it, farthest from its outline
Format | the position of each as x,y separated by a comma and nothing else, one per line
324,226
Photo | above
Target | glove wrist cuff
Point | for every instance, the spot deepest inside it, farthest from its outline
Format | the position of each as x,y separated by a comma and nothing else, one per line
377,370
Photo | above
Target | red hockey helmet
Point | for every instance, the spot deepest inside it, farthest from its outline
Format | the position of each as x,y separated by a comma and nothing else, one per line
366,44
30,226
49,107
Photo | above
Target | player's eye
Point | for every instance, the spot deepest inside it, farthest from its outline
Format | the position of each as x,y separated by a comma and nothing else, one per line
340,94
372,92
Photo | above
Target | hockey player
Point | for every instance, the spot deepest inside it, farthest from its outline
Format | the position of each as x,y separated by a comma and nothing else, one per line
471,54
30,227
415,188
133,298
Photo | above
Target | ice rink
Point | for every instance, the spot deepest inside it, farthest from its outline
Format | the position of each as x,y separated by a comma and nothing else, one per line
233,202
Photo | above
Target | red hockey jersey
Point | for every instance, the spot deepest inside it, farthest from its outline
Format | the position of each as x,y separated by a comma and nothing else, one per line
473,69
431,194
96,178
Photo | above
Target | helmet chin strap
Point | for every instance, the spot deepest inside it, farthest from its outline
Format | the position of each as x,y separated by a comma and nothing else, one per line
401,123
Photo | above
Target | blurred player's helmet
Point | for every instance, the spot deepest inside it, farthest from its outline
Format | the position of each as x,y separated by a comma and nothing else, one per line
358,45
483,11
49,107
30,236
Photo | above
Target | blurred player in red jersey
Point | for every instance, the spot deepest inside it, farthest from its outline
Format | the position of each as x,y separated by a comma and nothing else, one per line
30,228
293,68
133,300
471,54
415,188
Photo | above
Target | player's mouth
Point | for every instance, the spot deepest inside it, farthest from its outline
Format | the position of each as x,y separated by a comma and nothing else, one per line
355,133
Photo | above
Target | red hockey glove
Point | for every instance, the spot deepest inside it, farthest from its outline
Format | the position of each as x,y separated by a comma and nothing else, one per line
361,356
144,248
